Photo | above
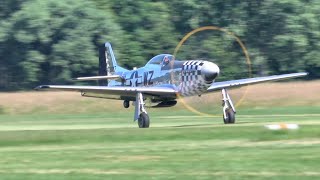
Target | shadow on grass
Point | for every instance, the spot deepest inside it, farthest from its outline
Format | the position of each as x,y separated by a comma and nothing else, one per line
213,124
190,125
2,111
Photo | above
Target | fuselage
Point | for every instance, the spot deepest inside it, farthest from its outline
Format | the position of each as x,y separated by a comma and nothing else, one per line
192,77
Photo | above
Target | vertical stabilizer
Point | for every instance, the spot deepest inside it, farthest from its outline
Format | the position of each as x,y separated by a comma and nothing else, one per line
111,63
107,62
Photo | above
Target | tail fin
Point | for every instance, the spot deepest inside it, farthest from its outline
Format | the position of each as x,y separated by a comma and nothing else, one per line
107,63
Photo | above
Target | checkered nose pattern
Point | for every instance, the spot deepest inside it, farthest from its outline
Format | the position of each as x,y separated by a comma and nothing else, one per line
197,76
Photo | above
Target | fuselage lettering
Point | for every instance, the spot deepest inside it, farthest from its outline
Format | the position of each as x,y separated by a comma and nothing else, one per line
148,77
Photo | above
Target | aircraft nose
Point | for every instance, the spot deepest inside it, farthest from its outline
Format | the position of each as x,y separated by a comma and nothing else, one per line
209,71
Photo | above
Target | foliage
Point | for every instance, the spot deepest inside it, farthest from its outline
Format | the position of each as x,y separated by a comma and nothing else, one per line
148,30
52,41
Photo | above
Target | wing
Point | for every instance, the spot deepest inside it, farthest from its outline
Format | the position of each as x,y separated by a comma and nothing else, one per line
242,82
116,91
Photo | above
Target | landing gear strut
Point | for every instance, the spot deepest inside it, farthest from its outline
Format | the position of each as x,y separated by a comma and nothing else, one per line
228,109
140,112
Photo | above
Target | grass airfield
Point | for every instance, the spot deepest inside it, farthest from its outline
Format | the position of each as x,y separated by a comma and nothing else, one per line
49,143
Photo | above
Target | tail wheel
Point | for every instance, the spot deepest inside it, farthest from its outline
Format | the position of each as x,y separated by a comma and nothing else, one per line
143,120
231,118
126,104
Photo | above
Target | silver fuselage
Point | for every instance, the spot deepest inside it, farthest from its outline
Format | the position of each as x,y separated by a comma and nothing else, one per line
189,78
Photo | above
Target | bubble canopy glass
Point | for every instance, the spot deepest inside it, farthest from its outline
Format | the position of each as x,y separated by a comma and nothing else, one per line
160,58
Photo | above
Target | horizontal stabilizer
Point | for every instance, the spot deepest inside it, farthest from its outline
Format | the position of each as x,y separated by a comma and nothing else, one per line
91,78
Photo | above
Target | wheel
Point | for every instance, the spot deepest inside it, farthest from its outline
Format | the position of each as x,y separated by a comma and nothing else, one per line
143,120
126,103
231,118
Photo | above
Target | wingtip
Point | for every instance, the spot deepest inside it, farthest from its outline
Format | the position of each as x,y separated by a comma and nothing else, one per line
300,74
41,87
303,74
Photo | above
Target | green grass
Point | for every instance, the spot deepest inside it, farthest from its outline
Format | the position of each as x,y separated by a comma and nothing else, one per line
179,145
2,110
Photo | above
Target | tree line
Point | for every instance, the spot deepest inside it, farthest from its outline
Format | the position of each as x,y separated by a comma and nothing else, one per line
52,41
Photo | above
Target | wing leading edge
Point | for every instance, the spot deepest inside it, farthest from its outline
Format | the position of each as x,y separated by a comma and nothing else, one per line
97,78
160,91
241,82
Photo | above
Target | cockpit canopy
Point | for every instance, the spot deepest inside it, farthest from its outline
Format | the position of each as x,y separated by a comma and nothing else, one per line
161,59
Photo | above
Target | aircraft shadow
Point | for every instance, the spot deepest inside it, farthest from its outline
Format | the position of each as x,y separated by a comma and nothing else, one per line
198,125
189,125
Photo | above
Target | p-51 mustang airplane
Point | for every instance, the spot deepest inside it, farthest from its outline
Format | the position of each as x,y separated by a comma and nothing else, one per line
162,80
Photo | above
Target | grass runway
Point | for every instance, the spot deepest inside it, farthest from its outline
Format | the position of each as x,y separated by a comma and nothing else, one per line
179,145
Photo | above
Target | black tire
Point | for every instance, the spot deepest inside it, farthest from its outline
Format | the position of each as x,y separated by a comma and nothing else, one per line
231,118
126,104
143,120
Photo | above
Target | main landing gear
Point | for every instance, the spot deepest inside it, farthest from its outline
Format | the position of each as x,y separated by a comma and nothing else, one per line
140,112
228,109
141,115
